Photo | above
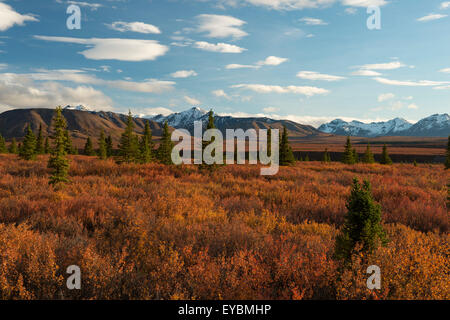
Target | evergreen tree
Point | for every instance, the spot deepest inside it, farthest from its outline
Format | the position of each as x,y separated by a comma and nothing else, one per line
349,155
362,224
40,142
447,158
128,147
415,163
385,159
146,144
88,148
368,155
326,156
70,149
355,156
269,142
58,160
3,148
165,148
109,146
210,125
13,147
102,152
286,155
46,146
28,150
306,158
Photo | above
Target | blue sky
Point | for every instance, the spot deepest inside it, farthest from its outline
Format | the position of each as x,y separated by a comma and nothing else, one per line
306,60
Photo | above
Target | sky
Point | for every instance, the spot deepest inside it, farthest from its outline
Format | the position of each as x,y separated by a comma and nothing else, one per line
310,61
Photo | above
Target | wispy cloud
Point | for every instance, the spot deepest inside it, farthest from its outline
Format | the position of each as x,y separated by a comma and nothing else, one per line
221,94
139,27
114,48
269,61
313,21
219,26
261,88
431,17
385,96
218,47
9,17
311,75
192,101
382,66
408,83
184,74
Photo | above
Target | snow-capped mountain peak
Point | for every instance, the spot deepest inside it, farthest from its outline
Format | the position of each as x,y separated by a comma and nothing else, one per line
181,119
78,108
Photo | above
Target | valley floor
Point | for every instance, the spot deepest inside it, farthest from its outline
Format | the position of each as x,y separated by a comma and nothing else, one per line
166,232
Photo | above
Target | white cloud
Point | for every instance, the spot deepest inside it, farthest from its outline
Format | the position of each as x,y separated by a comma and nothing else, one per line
272,61
148,86
3,66
219,47
191,101
184,74
139,27
351,11
286,4
92,6
368,73
271,109
413,106
9,17
240,66
364,3
114,48
408,83
218,26
313,21
21,91
385,96
221,94
261,88
431,17
445,5
383,66
445,70
311,75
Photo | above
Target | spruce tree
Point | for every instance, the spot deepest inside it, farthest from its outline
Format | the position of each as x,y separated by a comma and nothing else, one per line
286,155
40,142
209,125
3,148
165,148
349,155
362,224
88,148
269,142
128,147
447,158
306,158
102,153
13,146
368,155
28,150
355,156
146,144
46,146
70,149
109,146
385,159
58,160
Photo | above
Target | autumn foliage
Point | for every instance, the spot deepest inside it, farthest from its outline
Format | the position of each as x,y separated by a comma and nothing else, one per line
164,232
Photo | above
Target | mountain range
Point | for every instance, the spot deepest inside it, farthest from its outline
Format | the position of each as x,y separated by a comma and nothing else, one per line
437,125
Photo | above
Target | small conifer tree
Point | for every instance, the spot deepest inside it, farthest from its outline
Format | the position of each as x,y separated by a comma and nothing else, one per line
28,150
349,155
362,227
355,156
326,156
128,147
306,158
102,152
88,148
109,146
58,160
13,146
165,148
46,146
368,155
385,159
3,148
40,141
286,155
70,149
146,144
